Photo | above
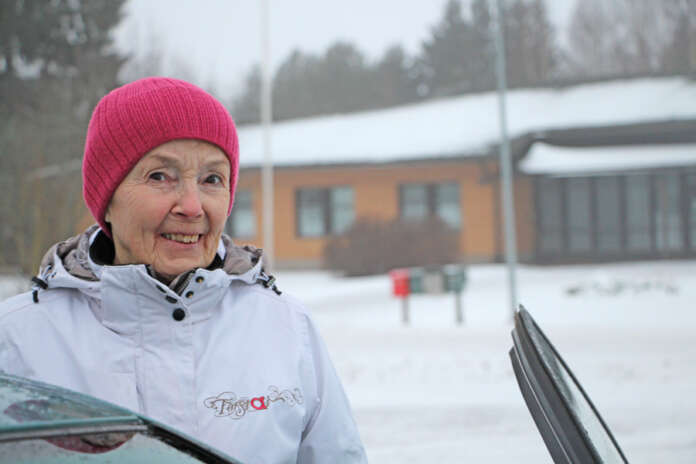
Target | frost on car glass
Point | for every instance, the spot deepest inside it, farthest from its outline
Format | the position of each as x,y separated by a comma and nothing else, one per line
139,447
41,423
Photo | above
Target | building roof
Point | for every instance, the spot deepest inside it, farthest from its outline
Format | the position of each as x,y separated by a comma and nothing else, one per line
554,160
466,126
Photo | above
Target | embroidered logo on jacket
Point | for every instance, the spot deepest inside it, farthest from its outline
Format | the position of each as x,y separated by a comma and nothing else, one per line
227,404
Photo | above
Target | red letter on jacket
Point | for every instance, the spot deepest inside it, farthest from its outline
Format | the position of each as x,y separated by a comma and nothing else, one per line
258,403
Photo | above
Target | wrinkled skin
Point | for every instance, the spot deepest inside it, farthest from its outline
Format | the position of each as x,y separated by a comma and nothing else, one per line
170,210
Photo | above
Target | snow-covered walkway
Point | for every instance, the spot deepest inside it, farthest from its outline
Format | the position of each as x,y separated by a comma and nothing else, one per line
437,393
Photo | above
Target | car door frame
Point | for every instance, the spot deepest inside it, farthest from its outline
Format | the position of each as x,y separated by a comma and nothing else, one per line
566,439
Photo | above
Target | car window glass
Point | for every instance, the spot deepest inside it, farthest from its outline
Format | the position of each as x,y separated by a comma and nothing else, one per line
575,399
48,410
140,448
21,401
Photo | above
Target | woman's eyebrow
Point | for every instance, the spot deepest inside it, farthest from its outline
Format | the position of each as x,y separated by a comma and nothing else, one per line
217,164
175,161
163,159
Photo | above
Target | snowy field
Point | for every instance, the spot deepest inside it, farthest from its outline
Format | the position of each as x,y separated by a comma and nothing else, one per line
437,393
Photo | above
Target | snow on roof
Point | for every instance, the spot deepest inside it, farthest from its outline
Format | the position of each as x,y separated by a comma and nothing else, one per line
466,125
548,159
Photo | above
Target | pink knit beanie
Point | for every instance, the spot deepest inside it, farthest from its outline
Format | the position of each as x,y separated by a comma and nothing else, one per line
137,117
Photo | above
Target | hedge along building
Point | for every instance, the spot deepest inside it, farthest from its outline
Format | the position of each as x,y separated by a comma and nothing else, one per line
597,167
602,171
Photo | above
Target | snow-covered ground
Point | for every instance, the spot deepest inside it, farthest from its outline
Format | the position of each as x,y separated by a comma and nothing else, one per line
437,393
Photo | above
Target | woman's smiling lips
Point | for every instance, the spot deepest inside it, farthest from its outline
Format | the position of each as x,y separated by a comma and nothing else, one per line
182,238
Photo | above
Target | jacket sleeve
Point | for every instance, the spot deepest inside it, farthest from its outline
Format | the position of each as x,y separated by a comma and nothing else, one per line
331,434
10,359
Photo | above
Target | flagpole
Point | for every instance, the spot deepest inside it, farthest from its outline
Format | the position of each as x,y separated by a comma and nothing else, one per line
267,122
506,179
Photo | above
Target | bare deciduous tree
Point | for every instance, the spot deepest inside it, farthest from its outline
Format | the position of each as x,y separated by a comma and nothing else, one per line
62,63
625,37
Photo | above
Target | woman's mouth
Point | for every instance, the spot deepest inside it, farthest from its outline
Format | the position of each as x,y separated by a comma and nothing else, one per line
182,238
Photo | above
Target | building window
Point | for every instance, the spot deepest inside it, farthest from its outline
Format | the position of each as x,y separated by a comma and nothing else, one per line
668,220
579,215
311,214
631,215
421,201
550,200
691,207
342,209
414,201
608,207
323,211
638,209
242,221
447,204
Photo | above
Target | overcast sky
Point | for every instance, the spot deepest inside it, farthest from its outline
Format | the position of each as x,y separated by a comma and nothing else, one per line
219,40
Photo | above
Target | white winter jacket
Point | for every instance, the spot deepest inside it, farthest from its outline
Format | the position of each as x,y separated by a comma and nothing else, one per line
218,353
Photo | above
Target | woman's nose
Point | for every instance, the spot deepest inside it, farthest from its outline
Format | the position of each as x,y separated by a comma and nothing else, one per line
189,201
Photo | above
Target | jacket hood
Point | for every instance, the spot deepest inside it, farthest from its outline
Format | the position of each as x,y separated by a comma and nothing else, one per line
80,257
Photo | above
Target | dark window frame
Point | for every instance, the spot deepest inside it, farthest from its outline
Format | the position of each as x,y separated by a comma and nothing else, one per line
689,191
688,247
597,200
431,199
539,222
229,227
575,234
326,209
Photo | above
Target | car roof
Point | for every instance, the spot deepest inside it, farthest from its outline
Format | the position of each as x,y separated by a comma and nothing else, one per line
27,406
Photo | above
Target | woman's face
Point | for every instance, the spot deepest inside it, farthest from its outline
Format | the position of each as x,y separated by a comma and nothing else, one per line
170,210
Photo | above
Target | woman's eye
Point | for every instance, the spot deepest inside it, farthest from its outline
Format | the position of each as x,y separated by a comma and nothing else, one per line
213,179
158,176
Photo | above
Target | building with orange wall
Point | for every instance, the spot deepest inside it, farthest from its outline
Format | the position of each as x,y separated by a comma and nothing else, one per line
440,158
376,195
406,162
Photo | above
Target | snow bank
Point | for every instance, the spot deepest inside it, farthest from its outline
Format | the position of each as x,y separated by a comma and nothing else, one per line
434,392
437,393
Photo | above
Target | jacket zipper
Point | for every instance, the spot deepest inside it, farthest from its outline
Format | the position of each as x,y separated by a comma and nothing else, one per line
183,283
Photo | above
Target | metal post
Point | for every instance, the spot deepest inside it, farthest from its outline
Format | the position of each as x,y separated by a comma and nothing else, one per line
404,310
267,121
506,181
458,308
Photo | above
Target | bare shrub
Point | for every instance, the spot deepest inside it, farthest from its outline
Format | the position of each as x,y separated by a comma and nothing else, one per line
375,247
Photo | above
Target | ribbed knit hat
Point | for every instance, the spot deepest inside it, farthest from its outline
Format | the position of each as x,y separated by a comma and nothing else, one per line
137,117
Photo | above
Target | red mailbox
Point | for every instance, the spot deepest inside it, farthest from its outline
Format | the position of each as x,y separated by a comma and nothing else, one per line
399,278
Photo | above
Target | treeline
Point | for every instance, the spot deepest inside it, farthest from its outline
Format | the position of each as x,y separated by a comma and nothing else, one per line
55,64
621,37
57,60
457,57
605,39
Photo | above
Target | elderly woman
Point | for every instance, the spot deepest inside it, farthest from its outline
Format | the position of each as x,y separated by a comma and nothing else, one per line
156,310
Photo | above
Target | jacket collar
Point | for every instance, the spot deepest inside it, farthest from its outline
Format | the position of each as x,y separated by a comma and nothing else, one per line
129,295
84,257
